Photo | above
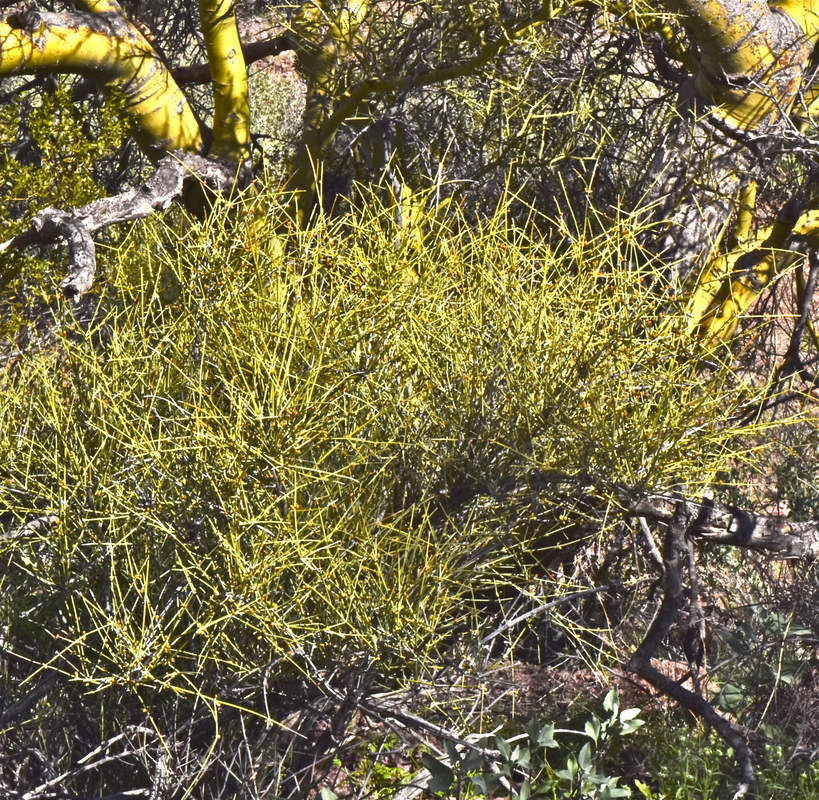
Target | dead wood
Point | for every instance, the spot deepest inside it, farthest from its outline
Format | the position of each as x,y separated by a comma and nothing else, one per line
673,602
729,525
74,228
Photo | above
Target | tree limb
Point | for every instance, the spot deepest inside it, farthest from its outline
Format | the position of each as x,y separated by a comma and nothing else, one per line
111,52
680,524
255,51
724,524
162,189
231,102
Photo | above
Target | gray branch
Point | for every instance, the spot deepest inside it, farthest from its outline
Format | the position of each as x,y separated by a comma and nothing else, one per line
679,526
724,524
75,228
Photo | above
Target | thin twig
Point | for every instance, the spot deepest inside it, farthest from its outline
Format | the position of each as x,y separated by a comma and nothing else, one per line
545,607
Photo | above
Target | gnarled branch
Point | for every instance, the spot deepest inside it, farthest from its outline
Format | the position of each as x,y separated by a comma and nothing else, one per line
724,524
680,521
164,187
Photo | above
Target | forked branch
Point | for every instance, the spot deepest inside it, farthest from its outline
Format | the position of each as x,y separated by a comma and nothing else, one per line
673,601
723,524
75,228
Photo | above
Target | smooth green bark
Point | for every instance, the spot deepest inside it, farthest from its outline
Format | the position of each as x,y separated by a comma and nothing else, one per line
231,112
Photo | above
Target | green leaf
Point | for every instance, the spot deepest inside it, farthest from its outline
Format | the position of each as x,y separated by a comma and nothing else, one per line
630,727
592,729
503,747
471,761
571,768
735,640
452,752
584,758
521,757
442,776
328,794
731,698
748,632
774,624
614,791
533,729
611,703
486,783
644,790
525,790
546,738
629,722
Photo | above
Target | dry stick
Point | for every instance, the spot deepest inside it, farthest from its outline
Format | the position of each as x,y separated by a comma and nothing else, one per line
640,663
545,607
651,545
793,361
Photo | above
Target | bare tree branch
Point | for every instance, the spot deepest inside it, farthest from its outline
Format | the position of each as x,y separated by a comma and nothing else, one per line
724,524
679,525
160,191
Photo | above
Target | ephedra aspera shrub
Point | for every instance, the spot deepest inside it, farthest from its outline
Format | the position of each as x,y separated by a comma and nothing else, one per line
248,460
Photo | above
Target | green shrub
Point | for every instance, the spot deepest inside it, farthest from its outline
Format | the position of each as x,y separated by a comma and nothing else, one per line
244,460
524,768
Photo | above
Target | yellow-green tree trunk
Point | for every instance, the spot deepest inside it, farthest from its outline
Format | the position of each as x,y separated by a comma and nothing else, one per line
751,61
115,55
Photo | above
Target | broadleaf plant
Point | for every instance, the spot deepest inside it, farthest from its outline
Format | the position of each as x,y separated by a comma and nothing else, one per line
521,768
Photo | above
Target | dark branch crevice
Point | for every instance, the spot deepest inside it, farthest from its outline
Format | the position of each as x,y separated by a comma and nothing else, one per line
26,18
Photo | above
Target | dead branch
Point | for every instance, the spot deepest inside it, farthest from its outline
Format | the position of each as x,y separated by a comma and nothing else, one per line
28,700
724,524
165,186
675,551
36,527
